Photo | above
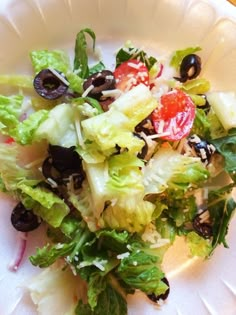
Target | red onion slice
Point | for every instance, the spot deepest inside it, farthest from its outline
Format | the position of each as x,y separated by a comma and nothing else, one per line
20,250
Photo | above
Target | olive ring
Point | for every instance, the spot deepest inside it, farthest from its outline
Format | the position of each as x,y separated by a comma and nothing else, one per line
50,84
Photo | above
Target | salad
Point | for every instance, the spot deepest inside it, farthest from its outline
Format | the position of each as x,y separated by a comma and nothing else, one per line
126,161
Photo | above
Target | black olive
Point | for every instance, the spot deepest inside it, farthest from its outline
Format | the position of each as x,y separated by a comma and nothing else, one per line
74,176
144,150
155,298
206,107
202,148
190,67
24,220
146,126
101,81
202,228
49,171
48,85
64,158
62,166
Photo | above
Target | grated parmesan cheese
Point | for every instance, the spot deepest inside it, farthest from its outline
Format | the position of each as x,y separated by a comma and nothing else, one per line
89,89
59,76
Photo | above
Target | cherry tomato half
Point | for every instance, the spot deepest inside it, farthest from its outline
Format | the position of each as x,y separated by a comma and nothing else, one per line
9,140
131,73
174,118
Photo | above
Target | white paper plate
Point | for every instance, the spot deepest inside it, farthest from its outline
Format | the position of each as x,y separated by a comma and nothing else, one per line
197,287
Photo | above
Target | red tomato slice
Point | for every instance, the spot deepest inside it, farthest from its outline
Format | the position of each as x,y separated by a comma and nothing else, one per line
9,140
174,118
131,73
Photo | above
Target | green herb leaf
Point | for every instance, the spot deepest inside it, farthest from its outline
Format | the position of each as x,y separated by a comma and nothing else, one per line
226,146
221,207
125,54
48,254
81,57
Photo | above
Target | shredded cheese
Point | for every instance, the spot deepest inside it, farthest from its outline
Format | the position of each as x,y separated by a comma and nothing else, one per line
59,76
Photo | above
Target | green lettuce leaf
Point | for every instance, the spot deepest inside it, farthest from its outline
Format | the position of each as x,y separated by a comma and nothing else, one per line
17,81
25,131
58,128
10,110
201,124
125,175
44,59
198,245
120,215
48,206
170,169
196,86
11,173
102,130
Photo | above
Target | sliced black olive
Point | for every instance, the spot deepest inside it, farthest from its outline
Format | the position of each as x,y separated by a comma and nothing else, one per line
146,126
24,220
155,298
202,148
100,81
144,150
63,165
190,67
49,85
202,227
206,107
64,158
49,171
73,176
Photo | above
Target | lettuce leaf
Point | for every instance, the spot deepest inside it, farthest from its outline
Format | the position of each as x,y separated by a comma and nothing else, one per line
25,131
44,59
11,172
125,175
58,128
196,86
120,215
201,124
17,81
46,204
56,284
102,129
10,110
198,245
169,169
